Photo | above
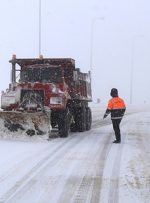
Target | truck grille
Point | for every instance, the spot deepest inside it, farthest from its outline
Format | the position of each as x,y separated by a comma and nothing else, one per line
37,94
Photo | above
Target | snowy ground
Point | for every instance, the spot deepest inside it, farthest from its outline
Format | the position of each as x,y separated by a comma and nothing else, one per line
83,168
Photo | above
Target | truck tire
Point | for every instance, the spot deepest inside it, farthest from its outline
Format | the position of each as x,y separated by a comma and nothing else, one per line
64,123
81,119
74,124
88,118
73,127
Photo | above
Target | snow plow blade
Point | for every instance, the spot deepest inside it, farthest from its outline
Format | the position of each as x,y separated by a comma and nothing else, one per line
31,123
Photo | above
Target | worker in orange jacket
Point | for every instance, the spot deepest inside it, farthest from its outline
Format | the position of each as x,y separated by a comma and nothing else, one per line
116,107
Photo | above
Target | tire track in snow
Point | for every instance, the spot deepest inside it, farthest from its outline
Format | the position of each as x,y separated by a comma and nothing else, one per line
78,187
94,184
62,184
113,195
89,188
83,190
101,160
57,152
13,170
50,159
40,165
96,194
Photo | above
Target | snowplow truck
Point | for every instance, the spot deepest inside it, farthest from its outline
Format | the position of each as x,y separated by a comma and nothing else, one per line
46,94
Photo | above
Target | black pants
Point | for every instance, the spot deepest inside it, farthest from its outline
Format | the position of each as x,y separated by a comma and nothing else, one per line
116,127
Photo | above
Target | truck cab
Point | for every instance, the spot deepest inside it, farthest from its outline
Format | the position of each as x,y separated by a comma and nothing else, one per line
52,83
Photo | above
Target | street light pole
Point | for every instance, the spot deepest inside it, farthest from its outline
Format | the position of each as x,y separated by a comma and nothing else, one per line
92,40
91,45
132,66
40,27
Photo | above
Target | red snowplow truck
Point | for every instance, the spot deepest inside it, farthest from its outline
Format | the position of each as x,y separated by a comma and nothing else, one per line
47,91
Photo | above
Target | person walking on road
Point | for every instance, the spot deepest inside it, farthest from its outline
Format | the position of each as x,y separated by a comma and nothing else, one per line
116,107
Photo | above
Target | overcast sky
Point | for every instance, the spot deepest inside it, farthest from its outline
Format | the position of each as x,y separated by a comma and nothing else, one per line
120,42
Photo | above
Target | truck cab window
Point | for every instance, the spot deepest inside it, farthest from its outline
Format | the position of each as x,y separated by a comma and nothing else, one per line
47,74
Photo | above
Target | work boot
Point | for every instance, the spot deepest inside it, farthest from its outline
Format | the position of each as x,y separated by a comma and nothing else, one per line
116,141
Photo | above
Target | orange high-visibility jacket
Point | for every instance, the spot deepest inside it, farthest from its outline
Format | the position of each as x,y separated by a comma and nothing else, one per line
116,107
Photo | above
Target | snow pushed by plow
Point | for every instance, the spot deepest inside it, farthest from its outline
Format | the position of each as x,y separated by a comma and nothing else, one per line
20,125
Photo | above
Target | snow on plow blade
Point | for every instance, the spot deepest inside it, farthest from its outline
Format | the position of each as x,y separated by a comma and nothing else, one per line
30,123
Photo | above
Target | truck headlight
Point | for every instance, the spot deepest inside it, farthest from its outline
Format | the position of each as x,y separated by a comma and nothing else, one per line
7,100
56,100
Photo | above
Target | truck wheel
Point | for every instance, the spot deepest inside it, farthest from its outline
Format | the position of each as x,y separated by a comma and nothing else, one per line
88,118
74,124
73,127
81,119
64,123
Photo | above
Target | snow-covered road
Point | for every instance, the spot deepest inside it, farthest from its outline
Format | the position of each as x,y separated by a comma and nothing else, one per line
83,168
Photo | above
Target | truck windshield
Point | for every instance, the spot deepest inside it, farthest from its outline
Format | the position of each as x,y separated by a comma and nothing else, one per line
47,74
